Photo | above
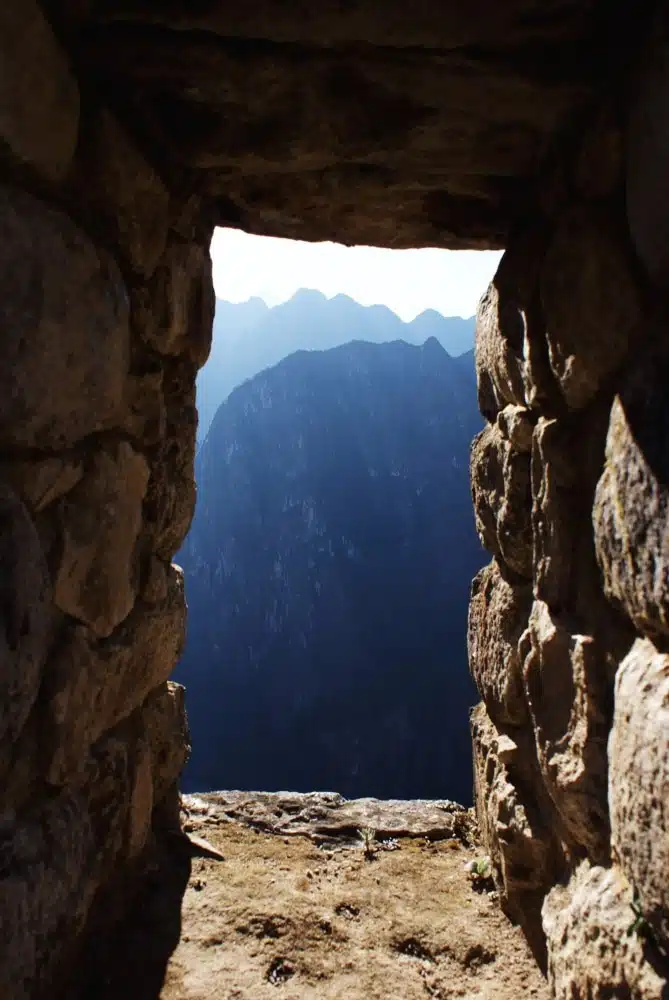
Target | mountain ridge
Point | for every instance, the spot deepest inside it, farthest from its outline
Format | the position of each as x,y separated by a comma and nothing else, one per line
251,336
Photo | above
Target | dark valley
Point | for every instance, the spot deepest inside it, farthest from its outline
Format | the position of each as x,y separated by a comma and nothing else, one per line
327,575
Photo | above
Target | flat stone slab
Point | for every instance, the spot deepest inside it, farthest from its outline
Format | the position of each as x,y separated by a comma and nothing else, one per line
328,814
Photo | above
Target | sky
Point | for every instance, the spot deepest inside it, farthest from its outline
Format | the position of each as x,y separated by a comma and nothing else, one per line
407,281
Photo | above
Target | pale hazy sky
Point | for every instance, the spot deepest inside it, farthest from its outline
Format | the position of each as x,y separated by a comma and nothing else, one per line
408,281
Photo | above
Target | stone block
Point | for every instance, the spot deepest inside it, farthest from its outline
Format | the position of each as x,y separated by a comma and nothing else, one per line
555,509
25,616
170,498
639,780
591,952
140,803
101,518
631,508
118,184
498,615
511,352
516,424
176,310
565,682
93,685
64,313
166,727
39,97
145,417
591,302
516,821
500,482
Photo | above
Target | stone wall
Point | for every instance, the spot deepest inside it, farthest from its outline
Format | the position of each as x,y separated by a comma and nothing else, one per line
106,307
569,624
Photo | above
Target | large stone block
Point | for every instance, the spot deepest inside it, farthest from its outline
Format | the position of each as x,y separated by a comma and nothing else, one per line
39,97
101,518
639,780
166,726
631,509
170,498
93,685
124,191
145,419
517,823
566,690
176,310
591,952
511,353
25,615
64,316
500,481
498,615
591,303
555,509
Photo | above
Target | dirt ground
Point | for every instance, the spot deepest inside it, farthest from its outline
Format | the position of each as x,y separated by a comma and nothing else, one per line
297,912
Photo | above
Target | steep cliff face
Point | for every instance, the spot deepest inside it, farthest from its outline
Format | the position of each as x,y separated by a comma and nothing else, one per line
249,337
327,577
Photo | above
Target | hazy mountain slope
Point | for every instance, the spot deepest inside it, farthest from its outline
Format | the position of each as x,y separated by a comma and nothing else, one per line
249,337
328,572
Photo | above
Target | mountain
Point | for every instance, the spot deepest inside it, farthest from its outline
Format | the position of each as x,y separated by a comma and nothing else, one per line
327,576
249,337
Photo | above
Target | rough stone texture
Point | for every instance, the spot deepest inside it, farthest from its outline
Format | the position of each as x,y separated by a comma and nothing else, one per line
101,519
554,480
322,122
500,478
565,685
631,512
95,684
588,286
572,367
54,279
39,111
164,717
25,599
498,612
639,780
512,365
590,950
516,425
171,492
517,829
183,283
125,192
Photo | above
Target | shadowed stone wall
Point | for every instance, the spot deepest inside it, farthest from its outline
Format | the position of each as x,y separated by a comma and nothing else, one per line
106,308
569,624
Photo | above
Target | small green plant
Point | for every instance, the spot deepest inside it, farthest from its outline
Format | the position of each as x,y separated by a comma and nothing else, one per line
639,925
368,838
480,871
